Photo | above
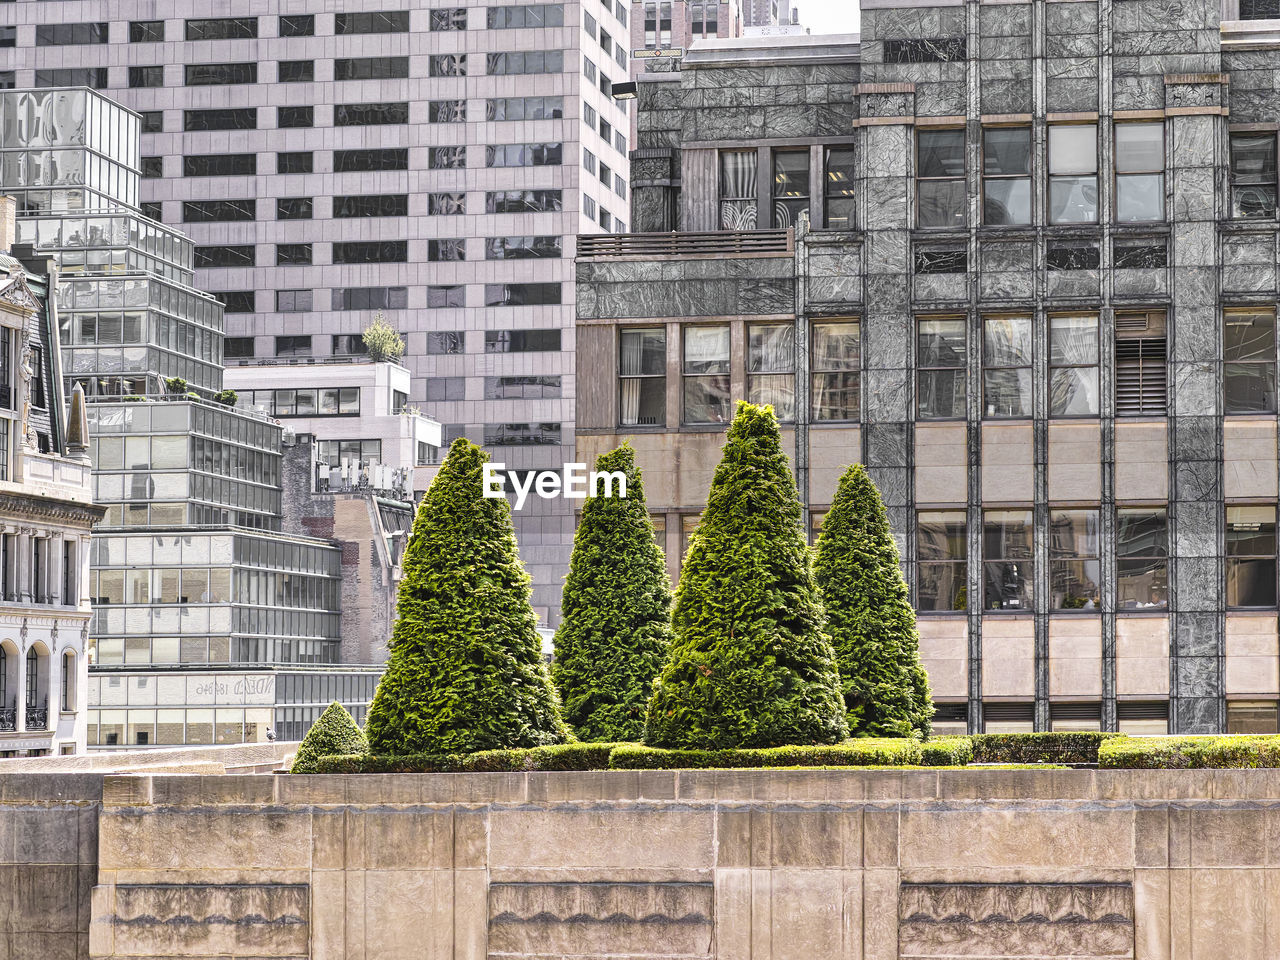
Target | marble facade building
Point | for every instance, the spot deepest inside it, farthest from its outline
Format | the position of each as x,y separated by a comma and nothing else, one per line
1020,260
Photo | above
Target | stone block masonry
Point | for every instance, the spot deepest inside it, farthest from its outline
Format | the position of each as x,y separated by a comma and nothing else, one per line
732,865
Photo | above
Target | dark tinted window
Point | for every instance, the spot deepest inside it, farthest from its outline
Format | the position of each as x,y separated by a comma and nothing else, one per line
237,348
223,28
529,16
371,68
300,162
244,118
146,76
521,248
446,111
391,21
369,114
95,77
446,250
523,155
449,18
358,161
448,65
370,298
446,204
218,211
451,296
293,346
296,71
152,167
219,74
241,256
295,117
521,341
152,121
523,201
154,210
447,158
524,61
220,165
293,208
385,251
237,301
289,254
62,34
298,26
374,205
146,31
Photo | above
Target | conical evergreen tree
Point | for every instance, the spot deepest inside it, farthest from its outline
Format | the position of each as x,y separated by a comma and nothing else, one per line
333,734
870,621
466,670
617,612
749,664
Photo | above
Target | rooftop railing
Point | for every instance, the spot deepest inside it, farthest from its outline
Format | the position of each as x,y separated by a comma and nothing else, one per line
723,243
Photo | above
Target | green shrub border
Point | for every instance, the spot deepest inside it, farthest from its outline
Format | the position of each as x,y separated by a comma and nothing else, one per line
1003,748
1189,753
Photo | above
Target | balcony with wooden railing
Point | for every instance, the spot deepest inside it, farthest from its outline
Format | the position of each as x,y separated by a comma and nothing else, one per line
684,246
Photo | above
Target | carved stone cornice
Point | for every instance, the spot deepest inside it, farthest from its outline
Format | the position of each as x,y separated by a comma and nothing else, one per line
36,507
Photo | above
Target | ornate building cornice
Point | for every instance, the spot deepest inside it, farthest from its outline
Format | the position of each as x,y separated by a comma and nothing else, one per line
33,506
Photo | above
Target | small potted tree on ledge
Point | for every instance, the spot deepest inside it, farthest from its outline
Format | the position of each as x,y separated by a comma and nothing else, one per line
382,342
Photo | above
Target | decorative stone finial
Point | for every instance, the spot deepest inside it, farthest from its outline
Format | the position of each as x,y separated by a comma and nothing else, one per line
78,425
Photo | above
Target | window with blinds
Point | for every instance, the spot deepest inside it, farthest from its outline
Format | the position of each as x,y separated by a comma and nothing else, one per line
1141,374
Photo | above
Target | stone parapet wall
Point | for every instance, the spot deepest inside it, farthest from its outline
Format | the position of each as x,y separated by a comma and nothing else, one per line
768,865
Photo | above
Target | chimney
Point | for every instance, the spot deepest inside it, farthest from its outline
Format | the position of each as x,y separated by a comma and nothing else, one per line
8,227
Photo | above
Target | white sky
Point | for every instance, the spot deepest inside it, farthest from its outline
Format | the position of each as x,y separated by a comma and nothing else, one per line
829,16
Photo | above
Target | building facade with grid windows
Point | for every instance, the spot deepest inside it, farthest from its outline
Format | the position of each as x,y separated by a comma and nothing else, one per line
1019,260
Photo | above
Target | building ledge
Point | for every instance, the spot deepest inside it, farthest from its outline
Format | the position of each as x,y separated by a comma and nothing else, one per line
1250,34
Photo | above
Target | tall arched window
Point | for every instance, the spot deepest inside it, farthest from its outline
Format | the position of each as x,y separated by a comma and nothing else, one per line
68,681
33,677
4,678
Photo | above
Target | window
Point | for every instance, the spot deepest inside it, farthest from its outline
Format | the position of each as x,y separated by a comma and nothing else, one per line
364,161
446,389
1249,360
1074,567
836,369
371,68
445,342
706,374
523,201
447,158
447,65
606,219
1142,558
218,211
373,205
1073,173
447,204
1139,171
606,131
446,250
152,210
1251,556
523,155
588,207
240,256
300,162
370,298
841,188
288,118
333,452
237,301
1006,175
521,434
940,363
704,15
620,188
516,388
395,21
301,25
657,24
521,341
146,77
771,351
524,108
1251,716
222,28
449,18
446,297
589,25
1073,366
940,553
146,31
293,254
940,186
220,165
9,80
245,118
293,301
1006,549
588,69
66,34
220,74
384,251
293,208
1006,367
369,114
447,111
238,348
524,61
521,248
1253,175
738,202
790,186
348,345
620,142
589,116
297,71
293,346
530,17
642,377
588,160
521,294
152,121
1141,378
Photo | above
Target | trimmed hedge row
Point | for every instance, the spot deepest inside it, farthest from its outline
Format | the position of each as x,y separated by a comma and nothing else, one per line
870,752
1038,747
1184,753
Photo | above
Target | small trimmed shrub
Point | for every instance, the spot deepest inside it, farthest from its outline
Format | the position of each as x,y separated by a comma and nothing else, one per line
1186,753
175,385
1038,747
227,397
946,752
334,733
616,624
466,670
870,620
749,664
